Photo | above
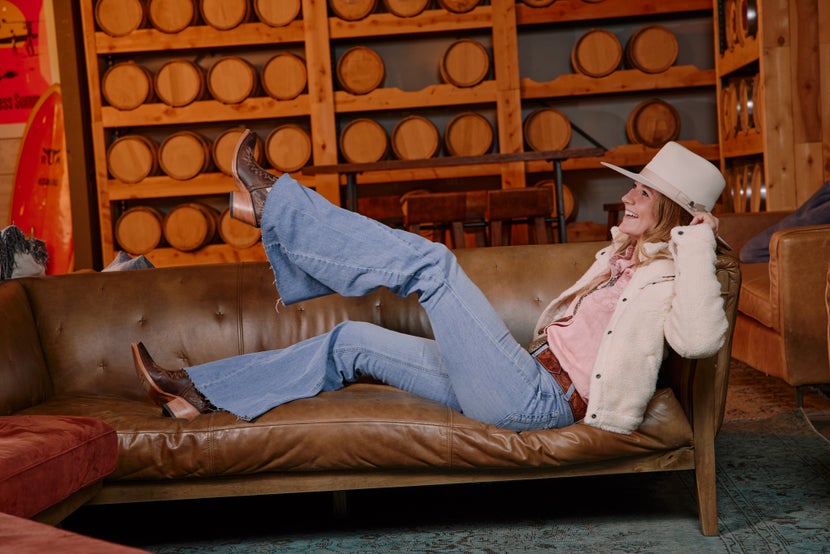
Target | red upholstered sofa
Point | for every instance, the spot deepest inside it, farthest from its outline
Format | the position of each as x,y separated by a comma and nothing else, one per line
52,464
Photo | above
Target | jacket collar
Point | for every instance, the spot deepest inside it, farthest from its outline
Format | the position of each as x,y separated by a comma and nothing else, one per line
650,249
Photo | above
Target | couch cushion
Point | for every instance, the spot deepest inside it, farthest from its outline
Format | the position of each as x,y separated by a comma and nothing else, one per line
754,300
363,426
45,459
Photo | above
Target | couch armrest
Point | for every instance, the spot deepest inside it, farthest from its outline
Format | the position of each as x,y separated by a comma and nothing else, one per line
24,378
737,229
798,270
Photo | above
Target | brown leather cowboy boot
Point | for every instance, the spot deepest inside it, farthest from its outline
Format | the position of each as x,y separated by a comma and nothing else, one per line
252,181
172,390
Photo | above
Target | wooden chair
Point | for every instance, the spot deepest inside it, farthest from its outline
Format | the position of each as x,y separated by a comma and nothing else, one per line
613,210
441,213
531,206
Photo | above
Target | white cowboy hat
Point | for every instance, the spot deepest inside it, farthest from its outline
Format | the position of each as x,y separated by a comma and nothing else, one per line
690,180
684,177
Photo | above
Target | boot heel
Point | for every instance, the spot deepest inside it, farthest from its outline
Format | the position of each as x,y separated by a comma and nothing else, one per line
180,408
242,208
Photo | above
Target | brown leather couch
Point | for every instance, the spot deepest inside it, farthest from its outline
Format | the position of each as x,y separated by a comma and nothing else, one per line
781,328
65,350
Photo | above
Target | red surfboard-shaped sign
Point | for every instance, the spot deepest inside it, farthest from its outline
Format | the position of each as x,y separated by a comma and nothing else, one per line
40,198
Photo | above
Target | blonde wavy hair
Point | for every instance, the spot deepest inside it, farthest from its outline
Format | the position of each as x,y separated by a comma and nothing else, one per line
668,215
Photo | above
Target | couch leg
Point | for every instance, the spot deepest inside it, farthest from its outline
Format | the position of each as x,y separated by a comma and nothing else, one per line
707,504
340,504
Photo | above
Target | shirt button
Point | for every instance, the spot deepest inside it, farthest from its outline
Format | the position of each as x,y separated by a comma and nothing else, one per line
608,333
598,375
680,232
593,416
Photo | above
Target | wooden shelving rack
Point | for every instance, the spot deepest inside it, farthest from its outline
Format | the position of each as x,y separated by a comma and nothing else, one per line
316,34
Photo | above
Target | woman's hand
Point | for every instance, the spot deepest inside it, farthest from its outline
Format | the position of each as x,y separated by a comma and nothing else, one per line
707,218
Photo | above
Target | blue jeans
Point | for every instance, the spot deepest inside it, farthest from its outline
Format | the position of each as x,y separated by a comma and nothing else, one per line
474,365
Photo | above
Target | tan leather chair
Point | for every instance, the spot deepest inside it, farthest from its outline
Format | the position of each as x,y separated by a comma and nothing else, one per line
782,322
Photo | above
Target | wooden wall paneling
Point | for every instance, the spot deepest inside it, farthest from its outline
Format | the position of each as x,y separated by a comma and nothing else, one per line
777,71
824,83
99,147
807,126
83,195
508,96
321,95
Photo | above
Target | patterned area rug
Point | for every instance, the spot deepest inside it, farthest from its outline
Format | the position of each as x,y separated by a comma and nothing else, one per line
773,496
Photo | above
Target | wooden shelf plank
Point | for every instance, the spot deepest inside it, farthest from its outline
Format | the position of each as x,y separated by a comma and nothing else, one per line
738,56
210,254
626,80
204,111
162,186
744,144
199,36
397,99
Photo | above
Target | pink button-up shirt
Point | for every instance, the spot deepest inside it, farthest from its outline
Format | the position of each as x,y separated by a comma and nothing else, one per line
575,338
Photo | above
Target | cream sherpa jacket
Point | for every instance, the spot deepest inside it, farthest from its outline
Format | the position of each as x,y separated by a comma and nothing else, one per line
676,300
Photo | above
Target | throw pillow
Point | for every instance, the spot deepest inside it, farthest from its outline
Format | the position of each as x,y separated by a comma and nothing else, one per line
815,211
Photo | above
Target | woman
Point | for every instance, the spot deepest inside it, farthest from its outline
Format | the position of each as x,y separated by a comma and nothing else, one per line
602,340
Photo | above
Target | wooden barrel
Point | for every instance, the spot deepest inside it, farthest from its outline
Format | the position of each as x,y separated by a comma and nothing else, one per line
748,16
139,230
172,16
746,103
184,155
352,10
224,14
284,76
653,123
360,70
179,83
236,233
224,146
288,148
415,138
755,190
732,24
405,8
651,49
277,13
458,6
538,3
567,198
190,226
132,158
232,80
465,63
363,140
468,134
757,102
118,18
127,85
547,129
597,53
730,110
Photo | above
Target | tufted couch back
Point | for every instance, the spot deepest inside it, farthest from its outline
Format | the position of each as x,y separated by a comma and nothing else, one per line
70,334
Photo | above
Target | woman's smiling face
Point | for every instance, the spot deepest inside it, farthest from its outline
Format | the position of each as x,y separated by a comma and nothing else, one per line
640,210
